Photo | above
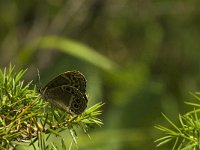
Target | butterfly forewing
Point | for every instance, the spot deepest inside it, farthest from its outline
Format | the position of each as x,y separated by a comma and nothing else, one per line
71,78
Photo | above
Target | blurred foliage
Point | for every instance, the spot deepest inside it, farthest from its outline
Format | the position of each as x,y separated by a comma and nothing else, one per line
140,57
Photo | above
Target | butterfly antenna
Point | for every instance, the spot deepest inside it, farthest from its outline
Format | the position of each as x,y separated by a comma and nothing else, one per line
39,83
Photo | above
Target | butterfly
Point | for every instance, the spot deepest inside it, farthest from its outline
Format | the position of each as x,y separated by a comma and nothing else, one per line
67,91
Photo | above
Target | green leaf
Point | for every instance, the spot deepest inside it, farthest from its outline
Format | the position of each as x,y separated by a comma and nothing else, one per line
68,46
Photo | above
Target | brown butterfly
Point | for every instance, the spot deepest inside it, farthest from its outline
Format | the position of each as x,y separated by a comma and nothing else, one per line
67,91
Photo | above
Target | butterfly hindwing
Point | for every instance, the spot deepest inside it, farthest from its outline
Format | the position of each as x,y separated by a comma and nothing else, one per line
68,98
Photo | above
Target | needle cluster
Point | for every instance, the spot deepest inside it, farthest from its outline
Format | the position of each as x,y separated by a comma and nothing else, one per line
27,120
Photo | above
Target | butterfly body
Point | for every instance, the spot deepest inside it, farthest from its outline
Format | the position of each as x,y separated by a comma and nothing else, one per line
67,91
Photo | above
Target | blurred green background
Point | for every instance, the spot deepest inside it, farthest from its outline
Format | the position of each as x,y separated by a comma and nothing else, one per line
139,57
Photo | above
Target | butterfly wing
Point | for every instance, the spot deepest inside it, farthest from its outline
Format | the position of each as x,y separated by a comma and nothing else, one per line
69,78
67,98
